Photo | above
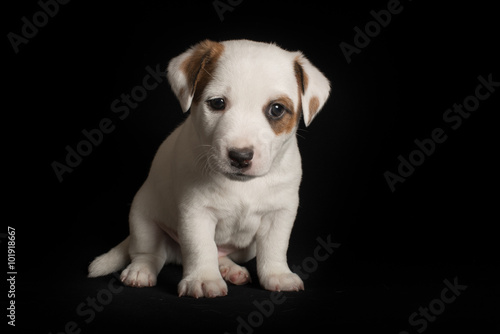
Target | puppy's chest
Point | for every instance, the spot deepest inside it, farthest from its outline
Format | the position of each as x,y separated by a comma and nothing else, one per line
238,222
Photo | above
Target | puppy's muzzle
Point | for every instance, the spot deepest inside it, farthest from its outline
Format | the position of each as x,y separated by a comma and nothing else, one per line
241,158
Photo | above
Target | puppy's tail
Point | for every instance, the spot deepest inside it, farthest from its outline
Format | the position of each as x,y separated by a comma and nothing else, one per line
109,262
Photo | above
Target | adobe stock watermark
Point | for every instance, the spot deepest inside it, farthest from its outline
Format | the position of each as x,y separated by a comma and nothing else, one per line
30,27
95,136
372,29
453,118
265,309
88,309
222,6
420,320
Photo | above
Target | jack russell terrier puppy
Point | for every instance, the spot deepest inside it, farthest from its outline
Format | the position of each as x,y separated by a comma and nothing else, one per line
223,187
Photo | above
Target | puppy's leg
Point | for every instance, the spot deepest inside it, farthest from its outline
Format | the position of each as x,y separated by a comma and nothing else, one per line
201,276
148,252
232,272
272,243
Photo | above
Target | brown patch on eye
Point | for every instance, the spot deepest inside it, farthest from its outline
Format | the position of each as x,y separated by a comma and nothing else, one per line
199,66
313,106
288,121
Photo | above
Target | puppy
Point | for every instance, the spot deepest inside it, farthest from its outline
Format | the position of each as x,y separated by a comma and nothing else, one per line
223,187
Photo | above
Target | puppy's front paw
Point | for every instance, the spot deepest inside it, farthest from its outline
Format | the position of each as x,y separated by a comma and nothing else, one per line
287,281
202,287
138,275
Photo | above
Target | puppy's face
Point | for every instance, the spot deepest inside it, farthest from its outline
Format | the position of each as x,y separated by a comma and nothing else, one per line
246,100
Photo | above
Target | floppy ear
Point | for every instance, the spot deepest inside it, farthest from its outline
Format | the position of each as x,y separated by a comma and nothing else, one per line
314,87
189,73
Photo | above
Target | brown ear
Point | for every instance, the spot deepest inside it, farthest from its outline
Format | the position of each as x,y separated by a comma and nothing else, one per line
189,73
314,87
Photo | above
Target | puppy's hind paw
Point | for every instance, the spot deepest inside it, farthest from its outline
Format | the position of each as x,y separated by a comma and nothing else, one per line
235,274
232,272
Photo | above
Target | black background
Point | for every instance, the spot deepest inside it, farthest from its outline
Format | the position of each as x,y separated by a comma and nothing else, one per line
397,247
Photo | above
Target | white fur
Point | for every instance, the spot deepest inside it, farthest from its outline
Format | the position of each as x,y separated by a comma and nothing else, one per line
194,208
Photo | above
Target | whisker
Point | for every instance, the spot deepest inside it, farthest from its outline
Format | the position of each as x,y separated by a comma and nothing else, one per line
206,160
210,165
208,73
201,158
299,135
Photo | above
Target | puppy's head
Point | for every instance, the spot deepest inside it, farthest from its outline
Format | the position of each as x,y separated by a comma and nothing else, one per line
246,100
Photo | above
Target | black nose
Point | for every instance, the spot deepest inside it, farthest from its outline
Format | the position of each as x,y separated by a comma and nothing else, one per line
240,157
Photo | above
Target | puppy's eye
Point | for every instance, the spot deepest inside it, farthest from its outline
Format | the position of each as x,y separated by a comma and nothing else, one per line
217,103
276,111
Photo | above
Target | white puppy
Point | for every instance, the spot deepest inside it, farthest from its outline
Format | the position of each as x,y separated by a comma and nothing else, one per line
223,186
